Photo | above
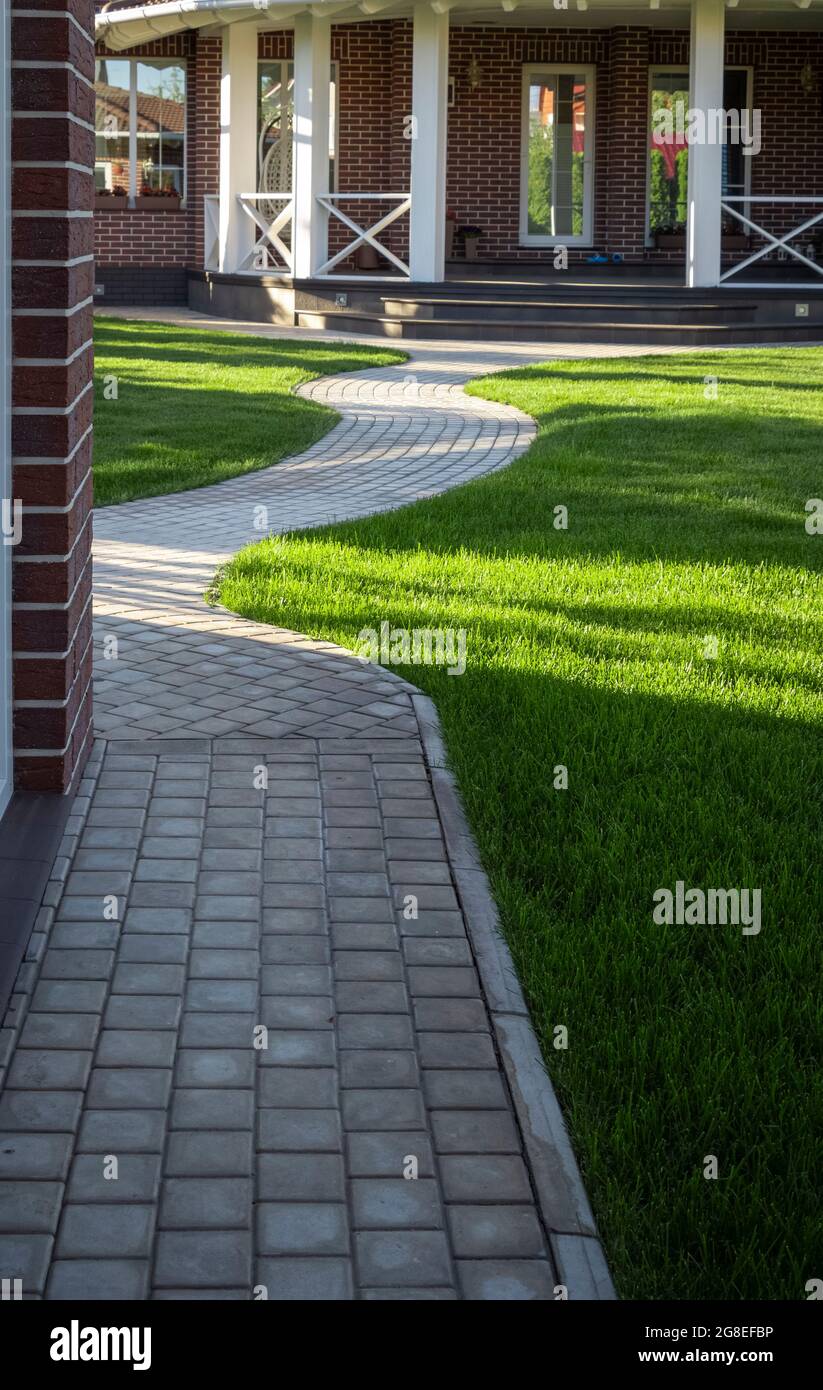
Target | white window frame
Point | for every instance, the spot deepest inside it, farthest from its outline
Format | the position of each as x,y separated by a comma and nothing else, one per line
334,77
132,131
589,72
674,67
6,752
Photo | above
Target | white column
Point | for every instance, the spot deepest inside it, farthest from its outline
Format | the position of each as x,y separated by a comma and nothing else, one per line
430,78
706,157
238,142
312,78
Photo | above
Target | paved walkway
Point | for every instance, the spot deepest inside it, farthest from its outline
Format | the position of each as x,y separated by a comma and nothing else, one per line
266,1042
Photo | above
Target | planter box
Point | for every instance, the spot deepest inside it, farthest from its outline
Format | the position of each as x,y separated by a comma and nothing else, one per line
451,228
470,244
110,203
676,241
148,202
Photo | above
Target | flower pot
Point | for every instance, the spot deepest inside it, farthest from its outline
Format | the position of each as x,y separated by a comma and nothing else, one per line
366,258
451,227
156,202
470,245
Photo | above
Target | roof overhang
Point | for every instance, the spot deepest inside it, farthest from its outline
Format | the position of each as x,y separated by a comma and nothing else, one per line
127,26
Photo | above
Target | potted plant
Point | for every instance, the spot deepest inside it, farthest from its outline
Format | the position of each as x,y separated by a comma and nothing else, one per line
366,257
112,199
471,236
451,228
150,199
732,235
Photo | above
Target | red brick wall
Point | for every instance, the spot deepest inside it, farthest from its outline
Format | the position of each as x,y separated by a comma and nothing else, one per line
52,281
483,178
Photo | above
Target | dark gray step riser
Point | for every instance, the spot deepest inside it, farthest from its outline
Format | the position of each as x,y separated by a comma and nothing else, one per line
583,333
573,313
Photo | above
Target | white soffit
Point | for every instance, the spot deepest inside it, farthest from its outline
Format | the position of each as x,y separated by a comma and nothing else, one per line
127,26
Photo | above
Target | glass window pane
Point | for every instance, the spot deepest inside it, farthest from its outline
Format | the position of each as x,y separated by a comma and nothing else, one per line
161,127
668,152
111,155
557,152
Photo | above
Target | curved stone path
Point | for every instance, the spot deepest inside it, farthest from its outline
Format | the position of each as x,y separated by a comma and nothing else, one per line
266,988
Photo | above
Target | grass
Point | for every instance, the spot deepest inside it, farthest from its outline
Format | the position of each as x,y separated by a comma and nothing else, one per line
587,647
193,407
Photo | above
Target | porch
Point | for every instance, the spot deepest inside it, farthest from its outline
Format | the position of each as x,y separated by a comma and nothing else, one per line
351,149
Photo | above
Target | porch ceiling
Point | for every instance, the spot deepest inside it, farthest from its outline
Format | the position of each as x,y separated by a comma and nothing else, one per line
122,25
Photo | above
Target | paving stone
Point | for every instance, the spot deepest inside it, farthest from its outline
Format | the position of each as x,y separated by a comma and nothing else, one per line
379,1155
122,1131
484,1178
441,1015
129,1087
302,1228
142,1011
375,1031
206,1203
160,950
472,1089
368,965
50,1070
221,996
195,1155
40,1111
295,950
26,1257
105,1231
375,1108
235,1030
212,1110
395,1203
458,1050
69,996
506,1280
298,1087
474,1131
215,1067
436,951
296,979
34,1156
148,979
98,1280
136,1178
318,1279
379,1068
294,1047
29,1207
295,1177
299,1130
204,1259
402,1257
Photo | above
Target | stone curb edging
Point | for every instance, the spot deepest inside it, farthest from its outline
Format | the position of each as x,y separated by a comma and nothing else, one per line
564,1206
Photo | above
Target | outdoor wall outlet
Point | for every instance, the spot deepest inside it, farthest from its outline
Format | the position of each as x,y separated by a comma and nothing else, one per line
100,289
801,311
341,301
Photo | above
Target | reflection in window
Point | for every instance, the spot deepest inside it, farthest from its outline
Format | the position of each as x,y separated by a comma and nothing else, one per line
557,138
140,126
669,152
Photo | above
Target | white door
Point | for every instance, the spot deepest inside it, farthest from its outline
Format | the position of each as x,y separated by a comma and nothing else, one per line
557,183
5,416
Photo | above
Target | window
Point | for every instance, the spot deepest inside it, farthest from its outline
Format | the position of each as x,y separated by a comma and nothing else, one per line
275,109
669,152
556,194
140,126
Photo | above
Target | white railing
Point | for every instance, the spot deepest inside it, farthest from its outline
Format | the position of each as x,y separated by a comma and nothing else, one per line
773,242
211,231
364,236
269,252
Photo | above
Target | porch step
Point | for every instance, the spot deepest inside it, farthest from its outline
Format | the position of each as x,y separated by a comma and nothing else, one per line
576,330
568,309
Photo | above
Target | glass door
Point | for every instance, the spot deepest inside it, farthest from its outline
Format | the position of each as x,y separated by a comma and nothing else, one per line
557,184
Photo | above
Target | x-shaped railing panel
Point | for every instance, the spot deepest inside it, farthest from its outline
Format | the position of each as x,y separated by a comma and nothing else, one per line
772,241
270,241
364,236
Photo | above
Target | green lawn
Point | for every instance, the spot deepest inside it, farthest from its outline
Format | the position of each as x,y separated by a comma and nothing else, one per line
177,408
587,647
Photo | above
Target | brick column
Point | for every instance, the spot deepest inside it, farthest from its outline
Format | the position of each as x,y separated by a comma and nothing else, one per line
52,287
627,141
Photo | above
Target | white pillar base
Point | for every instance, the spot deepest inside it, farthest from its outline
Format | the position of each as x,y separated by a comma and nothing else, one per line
430,78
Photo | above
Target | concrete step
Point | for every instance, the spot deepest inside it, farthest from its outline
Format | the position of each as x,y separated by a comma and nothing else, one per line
566,310
632,332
